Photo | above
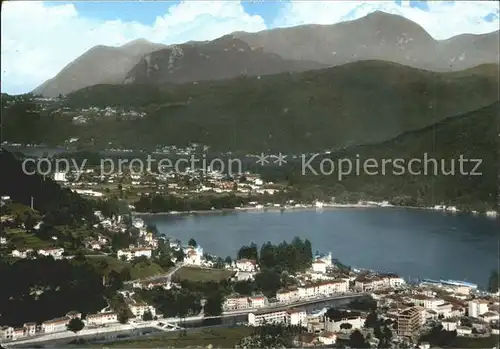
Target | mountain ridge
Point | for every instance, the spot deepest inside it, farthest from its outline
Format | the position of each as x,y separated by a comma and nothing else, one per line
378,35
356,103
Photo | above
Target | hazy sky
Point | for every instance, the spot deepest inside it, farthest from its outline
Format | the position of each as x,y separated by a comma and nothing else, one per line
40,38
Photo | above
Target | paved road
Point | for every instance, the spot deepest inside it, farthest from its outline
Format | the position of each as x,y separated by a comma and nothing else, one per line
275,307
132,325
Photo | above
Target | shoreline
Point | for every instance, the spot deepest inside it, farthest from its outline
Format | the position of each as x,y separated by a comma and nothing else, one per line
308,208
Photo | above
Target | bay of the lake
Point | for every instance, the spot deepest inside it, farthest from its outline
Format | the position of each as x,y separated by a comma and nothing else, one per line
413,243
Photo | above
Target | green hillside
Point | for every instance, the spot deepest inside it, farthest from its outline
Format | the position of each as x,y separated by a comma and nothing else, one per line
357,103
472,136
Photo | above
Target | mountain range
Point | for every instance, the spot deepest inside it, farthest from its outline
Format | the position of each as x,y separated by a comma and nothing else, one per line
379,36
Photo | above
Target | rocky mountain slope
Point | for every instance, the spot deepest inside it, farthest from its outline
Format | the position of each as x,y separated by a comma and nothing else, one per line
378,35
223,58
99,65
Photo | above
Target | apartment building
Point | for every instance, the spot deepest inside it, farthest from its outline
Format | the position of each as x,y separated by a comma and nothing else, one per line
409,321
322,288
477,307
7,332
102,318
287,295
257,301
445,310
367,283
55,325
426,302
139,308
236,302
290,317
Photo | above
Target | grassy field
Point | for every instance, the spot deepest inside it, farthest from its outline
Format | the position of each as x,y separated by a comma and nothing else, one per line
202,274
22,239
217,337
137,271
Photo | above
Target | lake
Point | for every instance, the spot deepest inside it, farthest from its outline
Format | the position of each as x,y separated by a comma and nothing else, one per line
413,243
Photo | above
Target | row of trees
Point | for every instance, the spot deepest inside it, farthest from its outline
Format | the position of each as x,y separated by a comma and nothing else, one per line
290,257
167,203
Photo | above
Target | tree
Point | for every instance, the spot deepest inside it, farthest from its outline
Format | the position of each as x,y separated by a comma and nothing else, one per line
357,340
268,281
75,325
494,282
372,320
192,243
244,287
228,260
147,316
213,305
345,326
179,255
123,316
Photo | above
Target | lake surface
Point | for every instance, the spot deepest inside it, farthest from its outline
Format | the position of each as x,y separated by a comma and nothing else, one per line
412,243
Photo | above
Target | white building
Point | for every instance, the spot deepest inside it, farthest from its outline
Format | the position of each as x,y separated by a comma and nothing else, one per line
319,266
463,331
247,265
367,283
257,301
101,318
490,316
138,223
60,176
55,325
445,309
478,307
290,317
139,308
21,253
235,302
327,338
193,255
53,252
6,332
287,295
332,324
323,288
325,258
131,253
29,328
428,303
450,324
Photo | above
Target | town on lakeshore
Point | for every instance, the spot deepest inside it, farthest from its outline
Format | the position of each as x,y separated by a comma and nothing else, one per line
163,284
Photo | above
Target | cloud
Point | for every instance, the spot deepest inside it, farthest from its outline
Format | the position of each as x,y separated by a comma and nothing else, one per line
39,40
442,19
